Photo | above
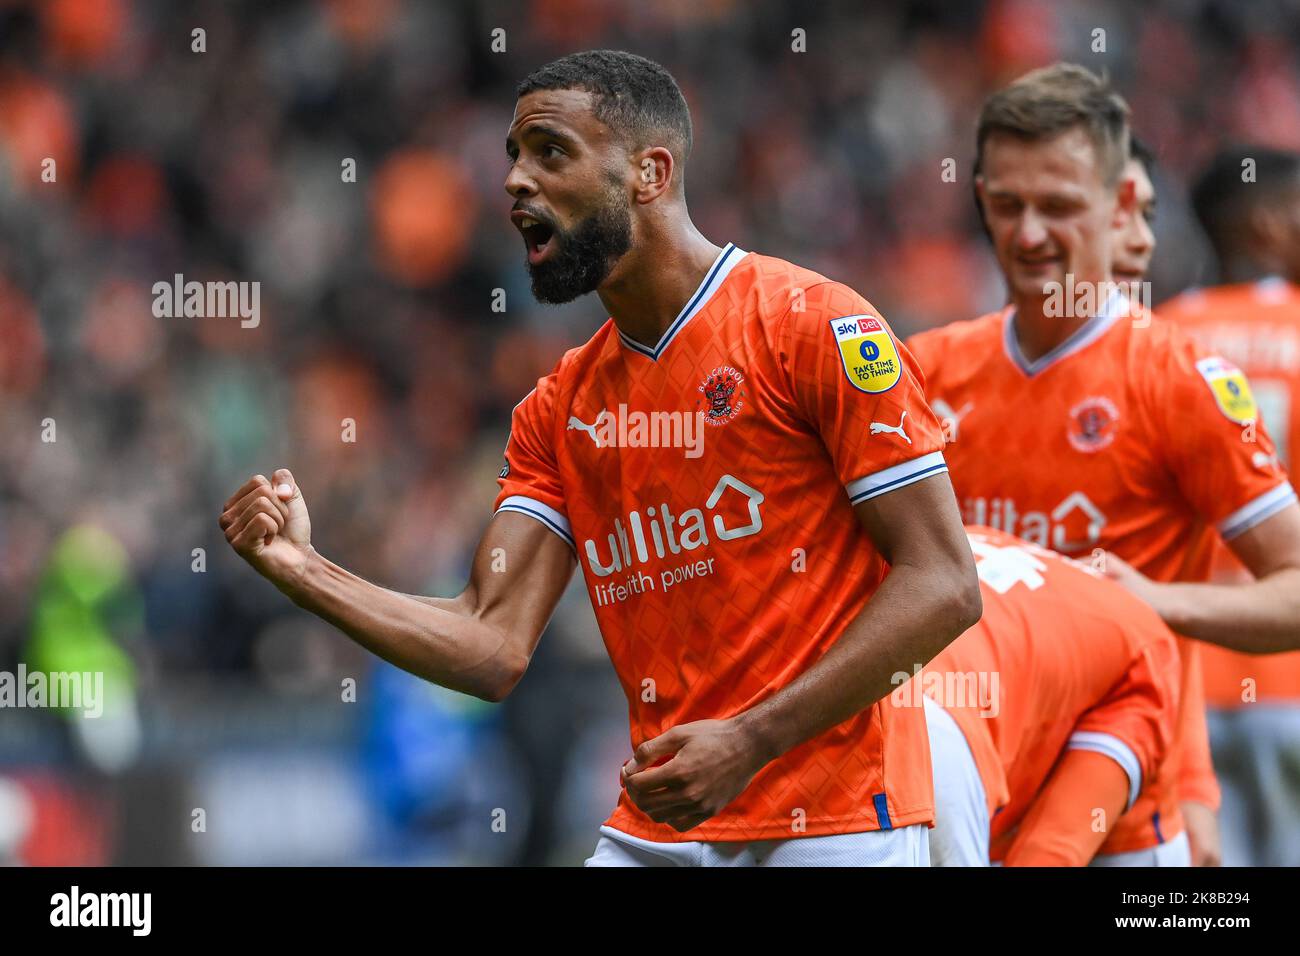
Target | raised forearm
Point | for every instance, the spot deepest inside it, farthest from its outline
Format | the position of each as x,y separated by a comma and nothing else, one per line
915,613
433,638
1260,617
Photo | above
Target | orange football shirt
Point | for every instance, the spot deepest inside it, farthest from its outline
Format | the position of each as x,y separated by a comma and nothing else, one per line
1127,437
1255,325
721,569
1061,659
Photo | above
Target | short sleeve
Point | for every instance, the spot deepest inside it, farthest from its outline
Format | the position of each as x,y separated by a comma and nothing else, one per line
530,480
1135,724
861,391
1222,457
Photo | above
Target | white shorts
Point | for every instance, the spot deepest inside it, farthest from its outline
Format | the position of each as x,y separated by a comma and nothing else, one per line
904,846
961,814
1256,752
1176,852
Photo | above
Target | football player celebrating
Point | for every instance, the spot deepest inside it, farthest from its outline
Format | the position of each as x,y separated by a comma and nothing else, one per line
1080,424
757,590
1248,202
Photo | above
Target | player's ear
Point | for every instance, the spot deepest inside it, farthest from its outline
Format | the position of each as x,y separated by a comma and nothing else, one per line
1267,226
654,174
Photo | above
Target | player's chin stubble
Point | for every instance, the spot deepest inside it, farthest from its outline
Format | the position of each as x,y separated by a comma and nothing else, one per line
584,255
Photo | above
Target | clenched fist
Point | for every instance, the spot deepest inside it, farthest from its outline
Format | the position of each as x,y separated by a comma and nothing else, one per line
266,523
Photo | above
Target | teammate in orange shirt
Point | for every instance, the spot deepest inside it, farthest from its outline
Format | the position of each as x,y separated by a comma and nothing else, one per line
1050,715
733,458
1253,321
1080,424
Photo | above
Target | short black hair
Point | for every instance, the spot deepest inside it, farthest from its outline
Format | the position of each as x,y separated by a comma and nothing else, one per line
1223,198
1139,150
635,97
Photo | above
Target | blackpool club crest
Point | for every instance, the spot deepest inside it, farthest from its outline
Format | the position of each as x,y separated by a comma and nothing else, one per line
722,395
1093,423
867,351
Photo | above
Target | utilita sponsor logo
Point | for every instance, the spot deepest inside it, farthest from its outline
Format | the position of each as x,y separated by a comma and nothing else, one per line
1073,525
669,533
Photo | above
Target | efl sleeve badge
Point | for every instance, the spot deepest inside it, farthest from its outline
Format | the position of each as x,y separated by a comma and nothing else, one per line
1230,388
867,351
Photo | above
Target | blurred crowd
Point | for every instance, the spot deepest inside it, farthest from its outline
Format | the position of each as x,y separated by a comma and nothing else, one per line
133,149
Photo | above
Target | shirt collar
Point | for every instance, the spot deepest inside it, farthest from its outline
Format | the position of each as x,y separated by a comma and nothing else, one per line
727,260
1080,338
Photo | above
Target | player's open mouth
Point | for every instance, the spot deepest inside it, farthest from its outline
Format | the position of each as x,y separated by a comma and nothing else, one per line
538,238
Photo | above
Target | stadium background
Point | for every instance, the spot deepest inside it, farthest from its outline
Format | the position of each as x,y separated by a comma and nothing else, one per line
376,305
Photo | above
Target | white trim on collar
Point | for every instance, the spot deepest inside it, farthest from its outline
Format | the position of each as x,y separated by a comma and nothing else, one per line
1081,338
727,260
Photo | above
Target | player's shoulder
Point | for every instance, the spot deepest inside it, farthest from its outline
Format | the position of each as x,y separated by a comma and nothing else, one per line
1191,304
780,288
1234,302
775,273
958,348
964,332
1062,585
1162,352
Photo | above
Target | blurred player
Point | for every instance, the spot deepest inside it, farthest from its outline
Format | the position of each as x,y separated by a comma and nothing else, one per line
744,464
1078,713
1135,238
1248,201
1082,428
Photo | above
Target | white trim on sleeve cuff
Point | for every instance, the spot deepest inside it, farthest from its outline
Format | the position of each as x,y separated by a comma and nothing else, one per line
1114,748
1257,511
895,477
542,512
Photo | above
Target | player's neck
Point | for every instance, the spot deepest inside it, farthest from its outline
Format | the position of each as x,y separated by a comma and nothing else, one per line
655,279
1037,331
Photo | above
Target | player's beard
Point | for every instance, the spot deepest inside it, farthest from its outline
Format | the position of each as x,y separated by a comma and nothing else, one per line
584,254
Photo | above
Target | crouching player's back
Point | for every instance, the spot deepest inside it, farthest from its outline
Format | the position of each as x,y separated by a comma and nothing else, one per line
1050,717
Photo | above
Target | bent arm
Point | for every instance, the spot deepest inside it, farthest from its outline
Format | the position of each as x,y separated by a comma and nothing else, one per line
479,642
1260,617
929,597
1061,828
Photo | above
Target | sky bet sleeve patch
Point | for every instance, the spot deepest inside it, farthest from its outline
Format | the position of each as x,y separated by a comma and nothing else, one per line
867,352
1230,388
